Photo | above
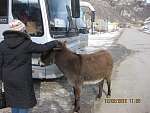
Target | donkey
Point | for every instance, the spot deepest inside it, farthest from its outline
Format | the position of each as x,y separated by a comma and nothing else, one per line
80,69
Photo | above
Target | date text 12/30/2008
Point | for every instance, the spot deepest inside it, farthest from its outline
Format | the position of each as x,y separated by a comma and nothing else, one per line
122,101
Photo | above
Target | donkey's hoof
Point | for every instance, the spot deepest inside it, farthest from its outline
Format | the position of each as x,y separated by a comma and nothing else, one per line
76,109
108,96
98,97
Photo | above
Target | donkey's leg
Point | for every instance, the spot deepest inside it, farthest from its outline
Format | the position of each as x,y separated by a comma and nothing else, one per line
109,87
100,86
77,98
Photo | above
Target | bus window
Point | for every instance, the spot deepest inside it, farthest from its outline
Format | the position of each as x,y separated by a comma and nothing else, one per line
29,12
3,11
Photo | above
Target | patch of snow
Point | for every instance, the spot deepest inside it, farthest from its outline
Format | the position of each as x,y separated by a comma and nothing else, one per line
98,41
147,31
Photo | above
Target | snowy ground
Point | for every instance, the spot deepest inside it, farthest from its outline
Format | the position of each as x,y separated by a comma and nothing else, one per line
99,41
144,30
147,31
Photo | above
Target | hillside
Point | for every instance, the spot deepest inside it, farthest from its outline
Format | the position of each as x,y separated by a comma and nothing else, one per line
121,10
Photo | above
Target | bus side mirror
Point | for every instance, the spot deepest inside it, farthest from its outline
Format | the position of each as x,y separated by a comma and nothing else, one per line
93,16
75,7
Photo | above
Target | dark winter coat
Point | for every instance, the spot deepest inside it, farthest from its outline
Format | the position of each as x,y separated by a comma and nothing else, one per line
16,67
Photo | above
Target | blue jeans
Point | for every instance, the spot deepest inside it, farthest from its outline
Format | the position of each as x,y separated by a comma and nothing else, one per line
19,110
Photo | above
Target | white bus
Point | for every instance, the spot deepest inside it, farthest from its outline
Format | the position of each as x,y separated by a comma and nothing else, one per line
45,20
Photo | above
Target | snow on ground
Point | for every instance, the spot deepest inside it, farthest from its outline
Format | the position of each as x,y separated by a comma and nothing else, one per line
147,31
144,29
105,39
99,41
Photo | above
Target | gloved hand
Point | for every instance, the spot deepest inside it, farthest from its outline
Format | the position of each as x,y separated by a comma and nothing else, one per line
55,43
58,45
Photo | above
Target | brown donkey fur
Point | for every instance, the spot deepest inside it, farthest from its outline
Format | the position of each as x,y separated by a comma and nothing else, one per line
82,68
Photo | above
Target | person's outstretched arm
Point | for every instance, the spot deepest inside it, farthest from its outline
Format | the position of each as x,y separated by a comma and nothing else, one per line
1,64
38,48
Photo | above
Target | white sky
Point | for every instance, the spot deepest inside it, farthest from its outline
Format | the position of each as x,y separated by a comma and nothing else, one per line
148,1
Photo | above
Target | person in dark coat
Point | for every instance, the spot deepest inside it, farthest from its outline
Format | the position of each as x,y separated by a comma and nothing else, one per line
16,67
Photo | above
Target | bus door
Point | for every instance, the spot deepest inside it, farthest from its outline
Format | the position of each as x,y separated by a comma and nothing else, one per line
3,17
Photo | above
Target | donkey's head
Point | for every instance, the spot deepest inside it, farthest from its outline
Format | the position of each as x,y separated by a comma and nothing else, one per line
60,46
48,57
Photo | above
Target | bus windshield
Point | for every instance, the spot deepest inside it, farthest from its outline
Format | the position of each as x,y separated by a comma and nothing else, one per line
29,12
58,13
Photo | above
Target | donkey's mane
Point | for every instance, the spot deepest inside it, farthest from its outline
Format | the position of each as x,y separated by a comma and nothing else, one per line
72,52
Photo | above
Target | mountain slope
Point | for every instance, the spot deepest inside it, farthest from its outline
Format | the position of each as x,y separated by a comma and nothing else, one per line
121,10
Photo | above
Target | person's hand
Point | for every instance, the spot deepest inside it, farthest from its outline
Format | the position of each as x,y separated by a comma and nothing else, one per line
55,42
58,45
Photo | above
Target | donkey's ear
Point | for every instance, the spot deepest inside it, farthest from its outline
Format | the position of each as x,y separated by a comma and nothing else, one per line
65,42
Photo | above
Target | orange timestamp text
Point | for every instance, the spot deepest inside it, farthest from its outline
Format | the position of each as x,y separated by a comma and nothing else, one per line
122,101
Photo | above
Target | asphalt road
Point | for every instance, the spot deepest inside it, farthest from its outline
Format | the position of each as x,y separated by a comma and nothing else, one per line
130,81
